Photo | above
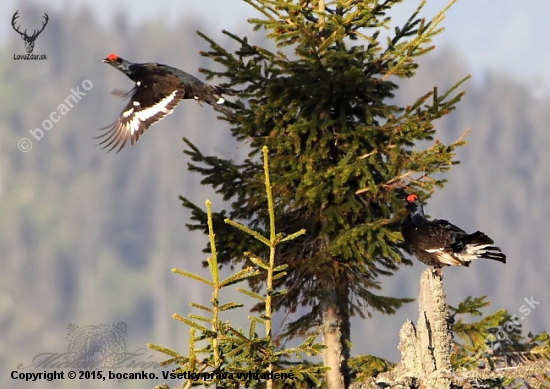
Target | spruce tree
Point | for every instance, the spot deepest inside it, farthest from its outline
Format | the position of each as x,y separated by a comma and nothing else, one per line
341,156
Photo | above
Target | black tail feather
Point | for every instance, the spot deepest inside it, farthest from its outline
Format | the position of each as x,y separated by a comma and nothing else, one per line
212,95
494,253
477,238
228,91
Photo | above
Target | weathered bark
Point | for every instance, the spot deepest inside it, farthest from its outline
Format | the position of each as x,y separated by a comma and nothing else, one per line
426,351
336,336
332,355
426,348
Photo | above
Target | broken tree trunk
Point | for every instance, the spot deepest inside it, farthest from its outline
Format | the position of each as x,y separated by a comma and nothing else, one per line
426,351
426,348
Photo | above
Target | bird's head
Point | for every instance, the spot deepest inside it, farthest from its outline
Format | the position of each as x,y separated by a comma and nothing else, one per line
113,59
117,62
416,211
412,201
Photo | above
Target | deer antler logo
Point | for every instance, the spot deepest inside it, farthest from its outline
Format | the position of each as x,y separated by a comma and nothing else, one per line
29,40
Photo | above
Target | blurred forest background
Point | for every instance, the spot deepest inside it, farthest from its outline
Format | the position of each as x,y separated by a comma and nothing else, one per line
88,237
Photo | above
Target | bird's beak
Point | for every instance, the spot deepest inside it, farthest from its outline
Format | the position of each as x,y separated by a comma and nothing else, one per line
105,60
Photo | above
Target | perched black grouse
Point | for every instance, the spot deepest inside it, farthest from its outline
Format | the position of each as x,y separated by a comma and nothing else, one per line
159,88
439,243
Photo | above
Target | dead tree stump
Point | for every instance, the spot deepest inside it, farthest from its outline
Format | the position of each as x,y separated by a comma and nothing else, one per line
426,351
426,348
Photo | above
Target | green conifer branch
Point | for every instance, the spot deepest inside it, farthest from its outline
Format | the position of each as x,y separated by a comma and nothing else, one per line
190,323
199,317
164,350
248,231
251,294
496,341
257,261
279,275
192,365
213,264
239,276
229,306
200,306
193,276
272,248
292,237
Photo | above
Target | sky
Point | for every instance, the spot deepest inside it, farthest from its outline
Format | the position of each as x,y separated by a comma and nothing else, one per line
506,35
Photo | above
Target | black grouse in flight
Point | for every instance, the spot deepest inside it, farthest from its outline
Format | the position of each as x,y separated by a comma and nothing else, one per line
159,88
439,243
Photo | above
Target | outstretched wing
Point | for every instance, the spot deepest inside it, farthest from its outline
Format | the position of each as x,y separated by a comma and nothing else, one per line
147,106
